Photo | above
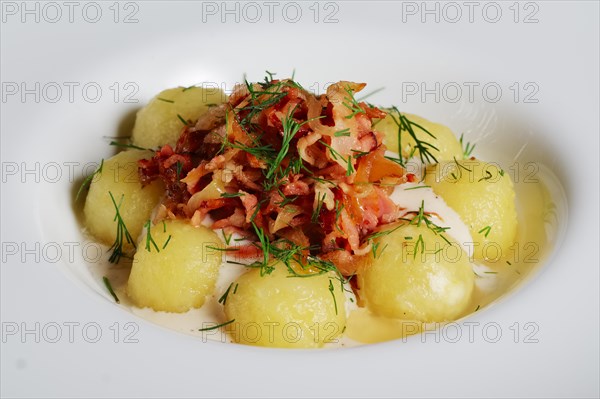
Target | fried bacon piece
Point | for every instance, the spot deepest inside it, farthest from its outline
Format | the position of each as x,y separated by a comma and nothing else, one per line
283,166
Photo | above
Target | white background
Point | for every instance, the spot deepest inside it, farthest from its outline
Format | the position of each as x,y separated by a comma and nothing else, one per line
382,43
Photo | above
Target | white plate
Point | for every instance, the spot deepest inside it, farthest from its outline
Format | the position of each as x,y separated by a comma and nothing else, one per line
548,342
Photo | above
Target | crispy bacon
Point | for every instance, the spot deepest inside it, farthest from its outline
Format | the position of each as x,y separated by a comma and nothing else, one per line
324,189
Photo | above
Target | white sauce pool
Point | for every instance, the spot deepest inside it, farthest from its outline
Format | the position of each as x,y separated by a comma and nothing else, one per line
491,282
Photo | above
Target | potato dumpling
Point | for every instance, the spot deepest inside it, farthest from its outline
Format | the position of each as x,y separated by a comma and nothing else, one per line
484,198
445,141
181,273
119,177
434,285
157,123
279,310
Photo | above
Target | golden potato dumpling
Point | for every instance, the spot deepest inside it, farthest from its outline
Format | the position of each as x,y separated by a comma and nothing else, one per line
279,310
119,177
417,276
181,273
484,197
158,122
445,141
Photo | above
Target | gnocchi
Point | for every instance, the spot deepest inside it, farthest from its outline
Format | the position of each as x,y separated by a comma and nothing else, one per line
177,268
445,142
288,311
308,198
161,121
484,197
118,181
418,276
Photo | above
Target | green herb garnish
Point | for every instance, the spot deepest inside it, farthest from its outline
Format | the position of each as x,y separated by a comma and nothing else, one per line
110,289
122,232
467,147
485,231
149,239
88,180
217,326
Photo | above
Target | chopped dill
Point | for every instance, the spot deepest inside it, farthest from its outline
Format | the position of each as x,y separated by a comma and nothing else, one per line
352,104
223,299
467,147
416,188
122,232
315,215
149,239
342,133
423,148
488,176
217,326
232,195
110,289
226,237
485,231
167,242
135,147
333,295
420,242
185,123
88,180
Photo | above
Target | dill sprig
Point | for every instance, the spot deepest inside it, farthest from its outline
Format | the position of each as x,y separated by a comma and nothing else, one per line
265,246
423,148
149,238
290,128
288,253
167,242
375,245
336,155
419,243
232,195
488,176
422,217
351,103
331,289
182,119
459,168
260,100
226,237
342,133
467,147
217,326
485,231
416,187
122,145
88,180
110,289
223,299
317,211
122,232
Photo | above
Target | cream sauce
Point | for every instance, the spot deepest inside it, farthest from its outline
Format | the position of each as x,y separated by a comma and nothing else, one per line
538,221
